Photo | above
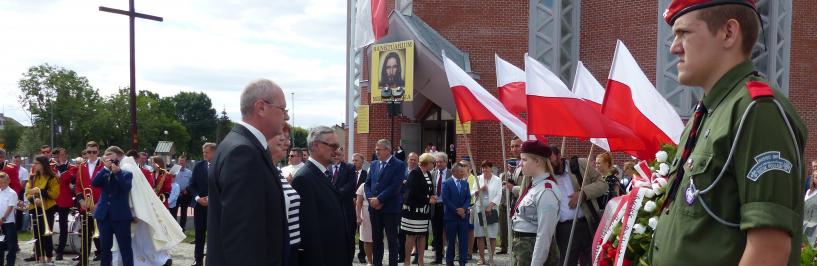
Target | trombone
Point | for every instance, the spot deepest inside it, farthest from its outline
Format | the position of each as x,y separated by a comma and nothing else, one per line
39,216
88,194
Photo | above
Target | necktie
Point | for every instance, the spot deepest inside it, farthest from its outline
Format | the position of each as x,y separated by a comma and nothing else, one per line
335,175
328,174
697,120
439,182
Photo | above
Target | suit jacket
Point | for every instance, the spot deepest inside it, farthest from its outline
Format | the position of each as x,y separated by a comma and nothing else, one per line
456,198
387,185
198,183
418,189
345,184
434,174
325,235
246,214
361,177
114,204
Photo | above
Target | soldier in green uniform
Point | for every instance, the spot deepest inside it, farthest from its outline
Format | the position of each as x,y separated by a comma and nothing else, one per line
735,195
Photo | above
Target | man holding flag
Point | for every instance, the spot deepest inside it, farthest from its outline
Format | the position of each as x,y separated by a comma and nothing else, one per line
735,195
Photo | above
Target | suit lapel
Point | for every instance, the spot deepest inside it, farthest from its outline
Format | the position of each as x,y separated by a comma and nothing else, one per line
322,178
243,131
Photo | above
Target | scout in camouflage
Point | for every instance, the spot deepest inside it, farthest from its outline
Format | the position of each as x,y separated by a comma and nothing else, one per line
736,194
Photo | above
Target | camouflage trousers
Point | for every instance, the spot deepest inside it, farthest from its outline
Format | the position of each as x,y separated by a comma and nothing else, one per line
523,251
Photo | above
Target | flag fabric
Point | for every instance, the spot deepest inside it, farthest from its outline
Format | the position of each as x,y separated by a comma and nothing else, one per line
371,22
586,86
474,103
554,110
633,101
510,81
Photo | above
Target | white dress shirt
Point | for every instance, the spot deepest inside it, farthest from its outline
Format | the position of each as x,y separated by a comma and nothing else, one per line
565,183
255,132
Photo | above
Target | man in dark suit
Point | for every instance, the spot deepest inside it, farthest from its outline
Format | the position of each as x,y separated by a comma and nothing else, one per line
360,173
113,213
439,175
457,202
382,189
245,217
344,180
325,234
198,189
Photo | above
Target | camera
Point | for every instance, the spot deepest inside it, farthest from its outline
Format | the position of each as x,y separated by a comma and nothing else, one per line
512,162
115,162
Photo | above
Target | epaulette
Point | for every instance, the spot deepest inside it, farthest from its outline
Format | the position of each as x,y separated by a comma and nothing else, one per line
12,165
758,89
548,185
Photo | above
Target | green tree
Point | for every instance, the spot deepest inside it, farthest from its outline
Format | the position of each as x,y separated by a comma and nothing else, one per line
298,135
224,126
10,136
195,112
53,93
151,122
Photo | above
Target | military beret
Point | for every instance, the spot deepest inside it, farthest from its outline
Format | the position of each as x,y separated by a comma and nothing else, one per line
678,8
536,147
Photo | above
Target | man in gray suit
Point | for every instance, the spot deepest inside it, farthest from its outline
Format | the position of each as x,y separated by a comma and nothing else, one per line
438,176
246,218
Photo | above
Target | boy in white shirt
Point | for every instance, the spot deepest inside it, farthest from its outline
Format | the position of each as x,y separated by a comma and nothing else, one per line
8,200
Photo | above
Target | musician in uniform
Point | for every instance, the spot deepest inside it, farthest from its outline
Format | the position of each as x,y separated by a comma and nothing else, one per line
163,179
82,177
536,213
42,191
66,199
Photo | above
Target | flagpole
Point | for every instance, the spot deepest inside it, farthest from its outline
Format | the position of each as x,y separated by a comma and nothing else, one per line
578,205
507,193
476,179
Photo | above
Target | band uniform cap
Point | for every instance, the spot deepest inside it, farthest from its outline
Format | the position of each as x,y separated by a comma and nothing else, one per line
536,147
678,8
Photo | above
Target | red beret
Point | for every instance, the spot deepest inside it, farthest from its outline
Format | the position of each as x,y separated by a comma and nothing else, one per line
536,147
680,7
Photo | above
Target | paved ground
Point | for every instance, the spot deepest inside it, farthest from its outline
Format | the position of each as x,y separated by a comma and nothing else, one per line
183,255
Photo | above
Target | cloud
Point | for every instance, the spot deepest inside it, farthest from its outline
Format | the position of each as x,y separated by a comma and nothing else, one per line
215,47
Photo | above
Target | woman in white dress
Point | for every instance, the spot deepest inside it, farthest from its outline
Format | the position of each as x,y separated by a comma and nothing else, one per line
487,198
362,212
154,231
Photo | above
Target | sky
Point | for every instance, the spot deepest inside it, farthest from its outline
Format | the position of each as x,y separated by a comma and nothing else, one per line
211,46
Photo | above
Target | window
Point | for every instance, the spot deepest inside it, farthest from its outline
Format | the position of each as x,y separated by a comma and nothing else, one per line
554,35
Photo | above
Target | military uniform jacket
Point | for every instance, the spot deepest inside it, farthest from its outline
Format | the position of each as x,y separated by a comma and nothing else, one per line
761,187
538,212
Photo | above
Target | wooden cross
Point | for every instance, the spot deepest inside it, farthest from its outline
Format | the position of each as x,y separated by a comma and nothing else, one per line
132,14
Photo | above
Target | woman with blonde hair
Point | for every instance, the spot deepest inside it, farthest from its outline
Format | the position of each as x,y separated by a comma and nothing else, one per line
417,207
536,213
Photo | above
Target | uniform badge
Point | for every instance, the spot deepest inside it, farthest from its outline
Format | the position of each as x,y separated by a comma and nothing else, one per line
689,196
768,161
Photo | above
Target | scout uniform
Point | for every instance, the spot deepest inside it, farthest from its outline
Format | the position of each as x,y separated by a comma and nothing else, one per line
535,217
713,201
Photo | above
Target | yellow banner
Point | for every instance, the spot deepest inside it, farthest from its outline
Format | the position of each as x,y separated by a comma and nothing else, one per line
363,119
462,128
392,66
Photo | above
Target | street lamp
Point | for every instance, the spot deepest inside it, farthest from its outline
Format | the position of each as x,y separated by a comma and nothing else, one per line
165,134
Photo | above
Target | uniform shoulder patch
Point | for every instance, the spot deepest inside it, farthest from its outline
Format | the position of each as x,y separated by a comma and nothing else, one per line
768,161
759,89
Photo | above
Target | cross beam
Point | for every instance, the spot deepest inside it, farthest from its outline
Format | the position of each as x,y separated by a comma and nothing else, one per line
132,14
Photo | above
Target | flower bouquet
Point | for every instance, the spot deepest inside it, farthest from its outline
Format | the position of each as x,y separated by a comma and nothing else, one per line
626,229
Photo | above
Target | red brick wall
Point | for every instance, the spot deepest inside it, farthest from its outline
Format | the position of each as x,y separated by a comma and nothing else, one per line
482,28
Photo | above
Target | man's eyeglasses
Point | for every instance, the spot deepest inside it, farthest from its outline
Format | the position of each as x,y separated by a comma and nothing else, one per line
276,106
294,155
334,146
92,152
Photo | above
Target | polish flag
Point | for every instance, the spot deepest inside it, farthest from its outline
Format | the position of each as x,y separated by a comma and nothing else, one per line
586,86
632,100
510,81
554,110
371,22
474,103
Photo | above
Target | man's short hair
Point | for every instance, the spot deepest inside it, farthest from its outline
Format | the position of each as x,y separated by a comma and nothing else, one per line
115,150
58,150
441,155
209,145
316,134
4,176
260,89
183,156
91,144
132,153
555,149
45,147
716,17
385,143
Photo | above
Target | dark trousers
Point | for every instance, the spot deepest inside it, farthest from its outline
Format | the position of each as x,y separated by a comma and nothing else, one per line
503,228
181,205
457,231
121,229
44,245
437,226
388,222
63,213
580,251
86,238
200,222
10,246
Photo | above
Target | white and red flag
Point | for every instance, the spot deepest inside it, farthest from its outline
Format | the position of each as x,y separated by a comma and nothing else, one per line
474,103
632,100
510,83
371,22
586,86
554,110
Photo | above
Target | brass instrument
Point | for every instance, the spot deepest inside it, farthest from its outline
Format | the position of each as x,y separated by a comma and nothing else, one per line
39,217
42,213
88,194
157,189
